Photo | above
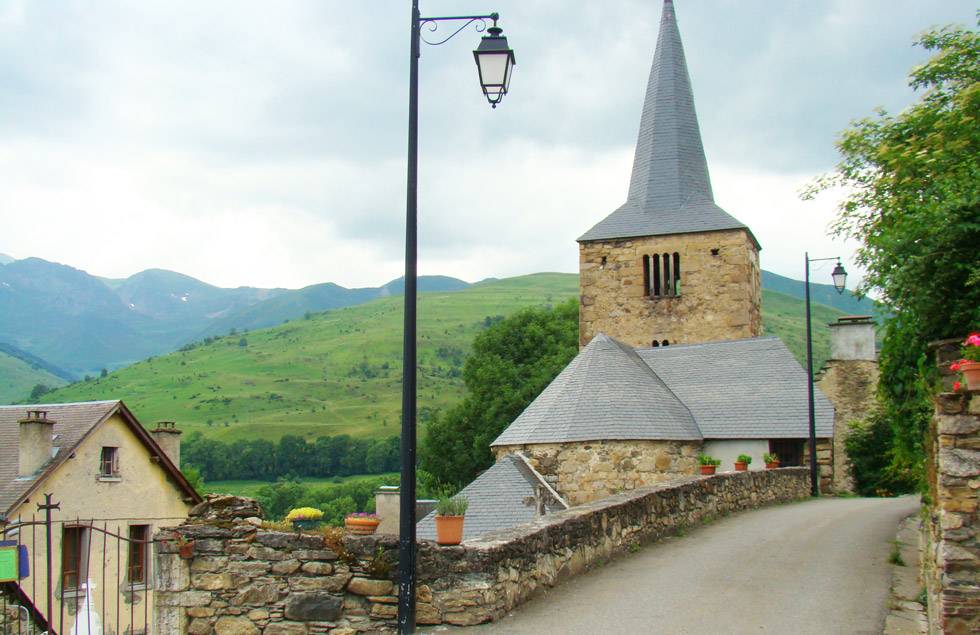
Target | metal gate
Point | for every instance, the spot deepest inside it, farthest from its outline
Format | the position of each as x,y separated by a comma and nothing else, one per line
83,577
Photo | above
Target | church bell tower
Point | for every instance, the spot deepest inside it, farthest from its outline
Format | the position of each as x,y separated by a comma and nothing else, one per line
669,266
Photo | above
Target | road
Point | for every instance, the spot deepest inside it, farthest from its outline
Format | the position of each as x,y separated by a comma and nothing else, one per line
815,567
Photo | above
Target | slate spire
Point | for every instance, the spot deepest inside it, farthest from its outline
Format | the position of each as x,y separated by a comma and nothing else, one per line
670,190
669,168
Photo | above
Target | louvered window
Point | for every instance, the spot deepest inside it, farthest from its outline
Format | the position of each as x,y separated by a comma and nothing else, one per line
661,275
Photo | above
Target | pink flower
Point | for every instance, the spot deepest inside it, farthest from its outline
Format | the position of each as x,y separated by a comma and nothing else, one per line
956,386
973,340
955,367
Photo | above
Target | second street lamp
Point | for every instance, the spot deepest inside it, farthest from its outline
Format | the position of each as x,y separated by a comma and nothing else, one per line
495,63
839,277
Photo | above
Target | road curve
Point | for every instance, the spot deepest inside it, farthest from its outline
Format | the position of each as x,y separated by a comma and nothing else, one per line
817,567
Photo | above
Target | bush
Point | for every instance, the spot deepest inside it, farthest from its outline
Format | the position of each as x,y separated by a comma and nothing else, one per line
870,447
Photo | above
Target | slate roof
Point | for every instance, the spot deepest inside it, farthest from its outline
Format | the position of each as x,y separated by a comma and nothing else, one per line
742,389
73,423
670,190
499,498
606,392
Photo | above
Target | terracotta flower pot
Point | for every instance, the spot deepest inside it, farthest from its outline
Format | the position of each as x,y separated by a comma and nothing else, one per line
741,467
772,465
707,470
971,374
449,530
361,526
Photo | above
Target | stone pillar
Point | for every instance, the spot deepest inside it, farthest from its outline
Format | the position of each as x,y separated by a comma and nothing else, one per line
167,436
34,444
825,462
850,381
952,554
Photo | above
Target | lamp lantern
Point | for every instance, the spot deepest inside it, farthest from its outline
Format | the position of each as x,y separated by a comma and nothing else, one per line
839,276
495,62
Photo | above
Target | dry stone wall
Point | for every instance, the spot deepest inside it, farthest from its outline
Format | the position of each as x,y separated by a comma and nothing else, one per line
245,580
951,565
586,471
720,299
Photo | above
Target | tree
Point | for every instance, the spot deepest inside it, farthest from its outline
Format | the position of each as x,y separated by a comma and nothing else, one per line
913,203
512,361
39,390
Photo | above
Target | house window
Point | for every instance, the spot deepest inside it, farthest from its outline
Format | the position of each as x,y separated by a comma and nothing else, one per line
74,556
789,451
109,464
139,536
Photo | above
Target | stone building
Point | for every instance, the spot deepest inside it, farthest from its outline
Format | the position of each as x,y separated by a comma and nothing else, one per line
669,266
673,361
110,477
850,380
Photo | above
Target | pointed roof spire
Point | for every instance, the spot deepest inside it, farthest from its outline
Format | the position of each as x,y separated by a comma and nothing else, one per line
670,190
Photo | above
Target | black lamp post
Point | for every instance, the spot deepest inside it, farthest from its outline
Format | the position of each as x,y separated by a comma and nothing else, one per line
840,277
495,63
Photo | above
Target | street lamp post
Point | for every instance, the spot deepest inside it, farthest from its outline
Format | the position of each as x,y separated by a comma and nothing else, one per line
839,277
495,62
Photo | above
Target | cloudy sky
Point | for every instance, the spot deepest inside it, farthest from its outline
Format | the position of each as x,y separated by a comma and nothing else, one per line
263,143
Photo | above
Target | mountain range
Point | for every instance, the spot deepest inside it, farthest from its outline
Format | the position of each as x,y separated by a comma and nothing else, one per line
71,323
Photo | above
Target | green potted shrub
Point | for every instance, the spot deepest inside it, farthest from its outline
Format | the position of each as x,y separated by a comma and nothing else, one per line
709,464
450,511
771,461
742,463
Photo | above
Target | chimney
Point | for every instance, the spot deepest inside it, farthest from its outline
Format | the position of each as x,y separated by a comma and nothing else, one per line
35,442
853,337
387,505
167,436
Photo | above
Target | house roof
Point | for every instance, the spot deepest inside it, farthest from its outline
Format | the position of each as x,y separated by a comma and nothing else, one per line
742,389
606,392
670,190
501,497
73,423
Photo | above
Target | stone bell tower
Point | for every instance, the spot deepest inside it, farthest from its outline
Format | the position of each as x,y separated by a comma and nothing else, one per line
669,266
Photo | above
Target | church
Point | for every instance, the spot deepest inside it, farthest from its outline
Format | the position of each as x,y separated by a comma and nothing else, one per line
673,360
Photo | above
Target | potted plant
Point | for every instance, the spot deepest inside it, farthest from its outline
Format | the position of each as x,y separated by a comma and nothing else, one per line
771,461
304,517
185,548
708,464
362,523
449,519
969,365
742,463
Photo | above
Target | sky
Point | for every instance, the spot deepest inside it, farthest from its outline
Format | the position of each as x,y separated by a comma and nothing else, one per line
264,144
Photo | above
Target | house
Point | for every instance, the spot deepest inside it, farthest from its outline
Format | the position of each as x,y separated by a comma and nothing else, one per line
114,483
674,361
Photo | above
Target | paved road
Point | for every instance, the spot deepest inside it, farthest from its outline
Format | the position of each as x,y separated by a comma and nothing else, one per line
816,567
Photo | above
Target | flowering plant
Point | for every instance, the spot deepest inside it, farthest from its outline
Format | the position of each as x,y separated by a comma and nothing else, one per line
304,513
363,515
970,353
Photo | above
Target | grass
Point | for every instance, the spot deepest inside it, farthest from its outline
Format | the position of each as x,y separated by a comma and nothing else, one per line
249,488
895,557
18,377
339,372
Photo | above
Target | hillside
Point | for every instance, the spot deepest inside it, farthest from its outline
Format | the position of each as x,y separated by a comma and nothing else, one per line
18,377
339,371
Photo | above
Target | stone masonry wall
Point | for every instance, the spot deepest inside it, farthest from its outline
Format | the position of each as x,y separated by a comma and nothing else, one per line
244,580
850,386
951,565
720,299
586,471
825,462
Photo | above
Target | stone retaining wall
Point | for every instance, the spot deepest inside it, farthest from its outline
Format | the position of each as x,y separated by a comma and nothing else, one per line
245,580
952,550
